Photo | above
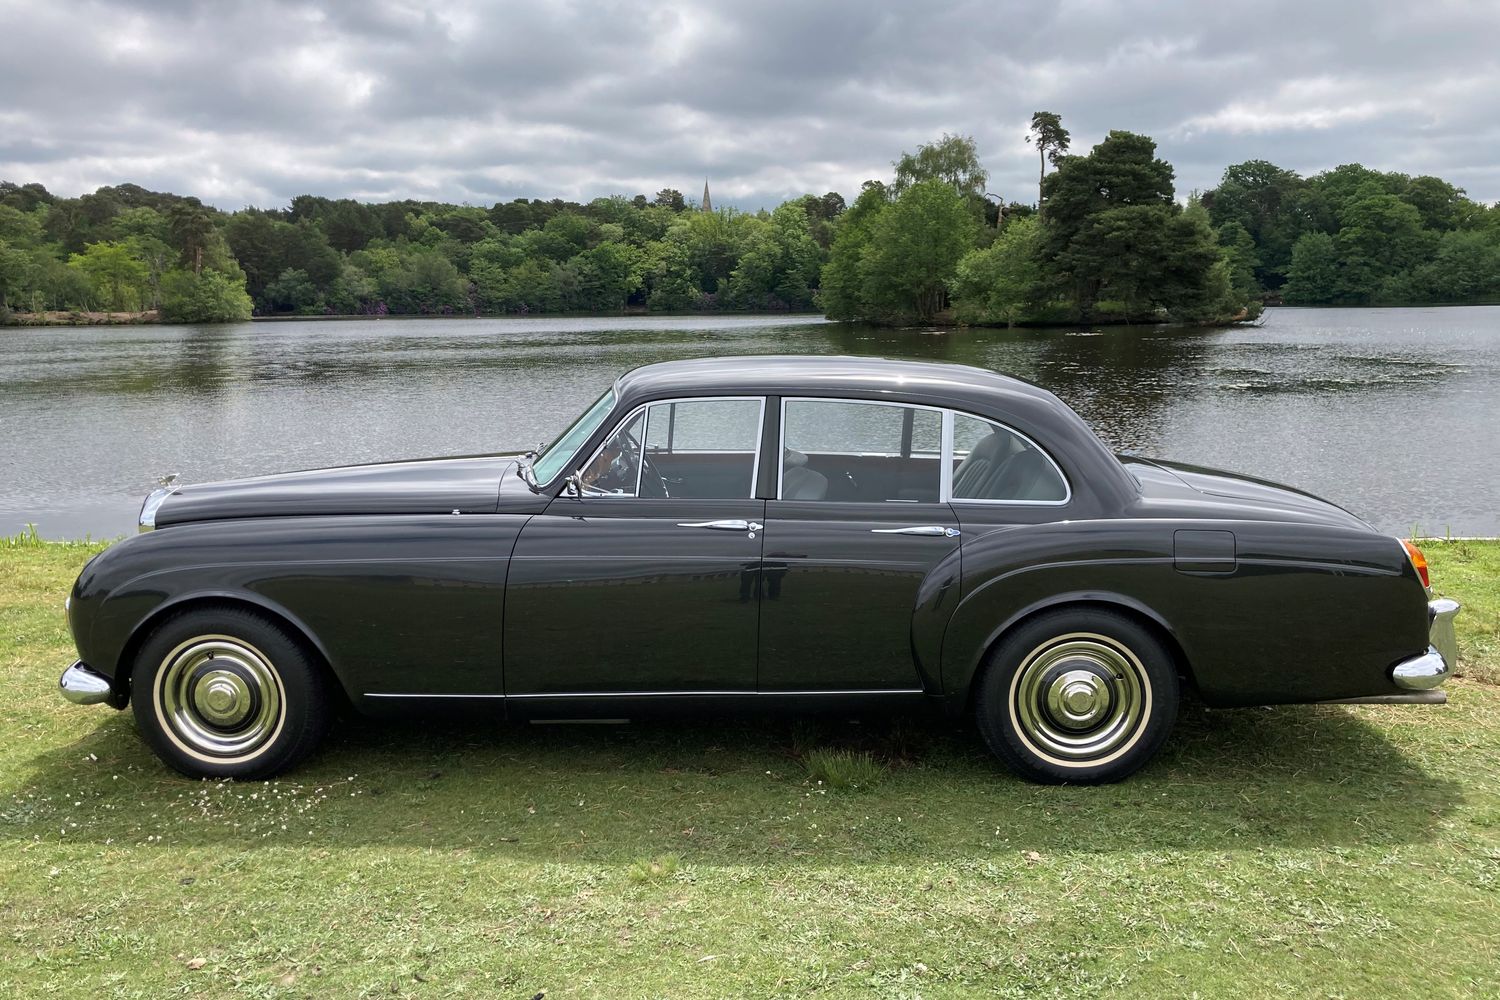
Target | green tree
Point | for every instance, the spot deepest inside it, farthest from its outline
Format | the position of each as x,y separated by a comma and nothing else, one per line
842,291
16,274
914,252
292,291
1148,258
1051,141
1464,268
1120,172
1313,275
208,296
191,228
953,159
668,276
1379,236
1238,249
671,198
779,263
1001,282
117,277
1272,205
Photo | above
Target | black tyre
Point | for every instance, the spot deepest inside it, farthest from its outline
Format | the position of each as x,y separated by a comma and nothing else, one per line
227,693
1077,697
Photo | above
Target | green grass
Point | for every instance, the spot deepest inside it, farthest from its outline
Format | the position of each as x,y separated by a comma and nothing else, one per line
1470,572
844,770
1309,851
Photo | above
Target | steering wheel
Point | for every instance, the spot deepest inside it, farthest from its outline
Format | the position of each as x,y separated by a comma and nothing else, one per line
631,457
655,480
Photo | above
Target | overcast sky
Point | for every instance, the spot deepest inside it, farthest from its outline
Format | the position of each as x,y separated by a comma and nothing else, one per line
252,103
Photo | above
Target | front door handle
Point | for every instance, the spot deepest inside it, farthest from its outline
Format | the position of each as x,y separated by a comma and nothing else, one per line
730,524
936,530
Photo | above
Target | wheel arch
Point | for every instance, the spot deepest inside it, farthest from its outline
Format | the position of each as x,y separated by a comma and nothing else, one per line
1128,607
187,603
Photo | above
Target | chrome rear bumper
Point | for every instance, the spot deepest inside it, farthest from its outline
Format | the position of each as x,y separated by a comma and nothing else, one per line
1422,673
82,686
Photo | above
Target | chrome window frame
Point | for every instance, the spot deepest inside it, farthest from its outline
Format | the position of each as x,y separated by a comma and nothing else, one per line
760,433
945,457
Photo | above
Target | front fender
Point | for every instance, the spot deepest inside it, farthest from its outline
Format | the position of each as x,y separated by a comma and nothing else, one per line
377,596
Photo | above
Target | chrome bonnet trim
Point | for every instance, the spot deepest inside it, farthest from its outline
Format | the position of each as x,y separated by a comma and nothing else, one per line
82,686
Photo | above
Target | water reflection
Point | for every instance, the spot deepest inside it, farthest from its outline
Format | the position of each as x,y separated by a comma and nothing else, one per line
1343,402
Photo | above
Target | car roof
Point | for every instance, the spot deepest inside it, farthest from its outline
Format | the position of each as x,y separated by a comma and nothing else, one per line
836,375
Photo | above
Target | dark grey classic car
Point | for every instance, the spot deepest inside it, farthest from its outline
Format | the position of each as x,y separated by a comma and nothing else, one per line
777,533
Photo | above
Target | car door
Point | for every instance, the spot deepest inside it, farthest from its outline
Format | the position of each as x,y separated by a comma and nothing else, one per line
861,555
646,583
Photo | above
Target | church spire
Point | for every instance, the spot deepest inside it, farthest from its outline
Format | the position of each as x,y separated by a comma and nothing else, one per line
708,205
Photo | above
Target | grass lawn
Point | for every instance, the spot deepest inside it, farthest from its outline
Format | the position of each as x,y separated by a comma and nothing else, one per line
1310,851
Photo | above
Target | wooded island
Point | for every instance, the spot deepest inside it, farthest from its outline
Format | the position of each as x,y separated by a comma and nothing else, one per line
1105,240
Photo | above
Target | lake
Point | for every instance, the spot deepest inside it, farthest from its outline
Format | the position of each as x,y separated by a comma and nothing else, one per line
1389,412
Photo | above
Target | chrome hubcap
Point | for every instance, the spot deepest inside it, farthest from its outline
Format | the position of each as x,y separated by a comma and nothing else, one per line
1079,698
219,697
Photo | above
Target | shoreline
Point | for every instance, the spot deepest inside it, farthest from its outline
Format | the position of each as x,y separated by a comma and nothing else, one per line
60,318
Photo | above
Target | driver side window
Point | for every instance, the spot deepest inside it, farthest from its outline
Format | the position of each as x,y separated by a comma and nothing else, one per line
702,449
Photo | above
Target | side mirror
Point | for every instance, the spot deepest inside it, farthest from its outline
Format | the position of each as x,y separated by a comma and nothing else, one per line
573,485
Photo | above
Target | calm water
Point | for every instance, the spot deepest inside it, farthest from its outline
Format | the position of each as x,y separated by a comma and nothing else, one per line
1391,413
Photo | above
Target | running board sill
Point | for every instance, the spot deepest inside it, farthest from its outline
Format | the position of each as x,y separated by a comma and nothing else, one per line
1434,696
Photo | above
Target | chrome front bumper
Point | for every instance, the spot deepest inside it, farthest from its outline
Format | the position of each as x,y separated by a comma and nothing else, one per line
82,686
1422,673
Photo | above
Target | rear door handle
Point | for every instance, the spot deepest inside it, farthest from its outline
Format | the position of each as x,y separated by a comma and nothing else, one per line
731,524
935,530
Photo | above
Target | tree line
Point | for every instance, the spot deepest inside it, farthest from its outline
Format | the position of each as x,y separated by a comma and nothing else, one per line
1105,240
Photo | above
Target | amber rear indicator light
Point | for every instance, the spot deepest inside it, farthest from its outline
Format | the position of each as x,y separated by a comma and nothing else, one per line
1418,561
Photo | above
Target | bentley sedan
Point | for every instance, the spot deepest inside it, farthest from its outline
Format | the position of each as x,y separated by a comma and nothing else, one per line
775,533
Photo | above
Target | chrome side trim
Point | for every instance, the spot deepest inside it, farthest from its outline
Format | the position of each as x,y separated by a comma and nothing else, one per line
382,694
652,694
646,694
82,686
937,530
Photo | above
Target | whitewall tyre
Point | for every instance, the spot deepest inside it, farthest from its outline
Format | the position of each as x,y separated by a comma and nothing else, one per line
1078,696
228,693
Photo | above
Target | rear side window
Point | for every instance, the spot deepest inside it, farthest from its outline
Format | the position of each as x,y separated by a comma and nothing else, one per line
993,463
860,452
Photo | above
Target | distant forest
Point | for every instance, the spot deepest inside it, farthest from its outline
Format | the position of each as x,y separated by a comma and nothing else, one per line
1105,239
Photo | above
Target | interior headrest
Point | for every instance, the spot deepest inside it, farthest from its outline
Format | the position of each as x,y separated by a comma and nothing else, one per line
792,459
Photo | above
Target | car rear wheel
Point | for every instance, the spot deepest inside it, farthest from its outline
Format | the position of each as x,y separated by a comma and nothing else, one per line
227,693
1077,697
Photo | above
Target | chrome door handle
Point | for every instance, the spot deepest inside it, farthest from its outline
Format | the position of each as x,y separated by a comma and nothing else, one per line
936,530
731,524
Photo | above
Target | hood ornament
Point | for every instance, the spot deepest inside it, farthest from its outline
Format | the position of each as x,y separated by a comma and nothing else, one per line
166,481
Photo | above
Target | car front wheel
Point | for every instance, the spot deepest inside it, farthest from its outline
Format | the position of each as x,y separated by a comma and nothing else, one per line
1077,697
227,693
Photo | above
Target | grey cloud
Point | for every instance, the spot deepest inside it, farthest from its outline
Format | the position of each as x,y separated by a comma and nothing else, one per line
256,102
